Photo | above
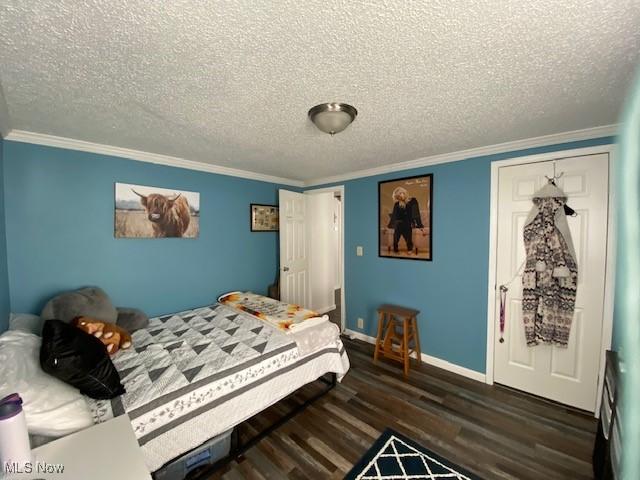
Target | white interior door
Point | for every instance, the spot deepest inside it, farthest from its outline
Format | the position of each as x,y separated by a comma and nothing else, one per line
567,375
294,255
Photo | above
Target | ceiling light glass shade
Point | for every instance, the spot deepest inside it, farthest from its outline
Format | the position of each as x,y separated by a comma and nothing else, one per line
332,118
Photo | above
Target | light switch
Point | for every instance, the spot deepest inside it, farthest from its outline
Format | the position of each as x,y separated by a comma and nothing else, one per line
359,251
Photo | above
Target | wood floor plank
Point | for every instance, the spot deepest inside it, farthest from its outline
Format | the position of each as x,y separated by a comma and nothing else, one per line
347,417
279,457
264,465
249,471
306,461
327,452
316,426
496,432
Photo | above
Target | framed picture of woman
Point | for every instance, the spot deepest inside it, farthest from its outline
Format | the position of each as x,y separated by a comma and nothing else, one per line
404,218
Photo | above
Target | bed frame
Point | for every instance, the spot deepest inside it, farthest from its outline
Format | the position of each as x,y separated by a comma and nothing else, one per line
237,448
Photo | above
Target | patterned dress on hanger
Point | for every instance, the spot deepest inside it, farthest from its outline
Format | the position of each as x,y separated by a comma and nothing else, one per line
550,277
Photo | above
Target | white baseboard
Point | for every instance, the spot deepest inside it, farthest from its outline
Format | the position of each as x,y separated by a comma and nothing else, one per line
452,367
359,336
324,310
428,359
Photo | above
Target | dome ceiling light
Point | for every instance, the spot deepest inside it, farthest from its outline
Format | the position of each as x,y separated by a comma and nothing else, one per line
332,118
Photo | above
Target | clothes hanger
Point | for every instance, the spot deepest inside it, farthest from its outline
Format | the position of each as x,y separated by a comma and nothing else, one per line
552,180
568,211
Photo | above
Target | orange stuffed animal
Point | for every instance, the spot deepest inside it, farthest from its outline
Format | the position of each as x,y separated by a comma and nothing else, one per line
113,336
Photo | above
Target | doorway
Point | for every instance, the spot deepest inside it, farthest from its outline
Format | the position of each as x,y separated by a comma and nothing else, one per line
336,315
312,251
566,375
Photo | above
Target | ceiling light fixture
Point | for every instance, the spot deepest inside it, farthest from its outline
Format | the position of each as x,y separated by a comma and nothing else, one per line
332,118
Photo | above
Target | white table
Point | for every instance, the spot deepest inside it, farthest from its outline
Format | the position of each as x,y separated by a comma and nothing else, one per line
106,451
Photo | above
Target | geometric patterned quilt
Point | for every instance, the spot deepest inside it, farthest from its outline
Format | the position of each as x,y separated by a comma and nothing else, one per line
177,355
193,375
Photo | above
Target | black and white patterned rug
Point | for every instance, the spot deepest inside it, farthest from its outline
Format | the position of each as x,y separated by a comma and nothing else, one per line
394,456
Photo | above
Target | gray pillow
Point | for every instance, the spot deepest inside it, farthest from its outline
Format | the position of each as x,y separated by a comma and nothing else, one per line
132,319
90,302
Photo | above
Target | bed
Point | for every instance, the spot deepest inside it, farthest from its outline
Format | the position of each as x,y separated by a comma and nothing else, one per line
193,375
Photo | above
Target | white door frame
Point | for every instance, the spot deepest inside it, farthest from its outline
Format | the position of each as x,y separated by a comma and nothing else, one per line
343,296
607,326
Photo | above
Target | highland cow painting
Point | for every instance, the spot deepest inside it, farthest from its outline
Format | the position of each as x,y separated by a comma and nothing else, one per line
404,215
151,212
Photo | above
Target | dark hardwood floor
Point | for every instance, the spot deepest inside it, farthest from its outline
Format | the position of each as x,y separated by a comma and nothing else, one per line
490,430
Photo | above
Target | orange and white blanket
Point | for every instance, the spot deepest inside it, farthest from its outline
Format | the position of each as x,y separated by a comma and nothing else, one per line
281,315
309,330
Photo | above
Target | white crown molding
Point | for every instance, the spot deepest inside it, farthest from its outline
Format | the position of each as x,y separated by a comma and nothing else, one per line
546,140
82,146
428,359
72,144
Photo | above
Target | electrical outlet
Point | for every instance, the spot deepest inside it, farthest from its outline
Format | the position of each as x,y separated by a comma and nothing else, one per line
360,323
359,251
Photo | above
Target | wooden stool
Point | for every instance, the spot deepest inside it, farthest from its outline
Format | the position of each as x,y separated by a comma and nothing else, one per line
392,343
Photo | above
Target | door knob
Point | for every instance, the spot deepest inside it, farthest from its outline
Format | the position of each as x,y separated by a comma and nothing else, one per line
285,269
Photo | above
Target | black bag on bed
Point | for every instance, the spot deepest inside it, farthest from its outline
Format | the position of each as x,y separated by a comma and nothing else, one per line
79,359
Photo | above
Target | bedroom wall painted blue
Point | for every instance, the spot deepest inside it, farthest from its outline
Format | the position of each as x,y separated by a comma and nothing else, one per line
4,278
450,291
59,218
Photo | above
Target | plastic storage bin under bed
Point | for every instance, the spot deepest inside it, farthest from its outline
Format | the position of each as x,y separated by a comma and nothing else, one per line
206,454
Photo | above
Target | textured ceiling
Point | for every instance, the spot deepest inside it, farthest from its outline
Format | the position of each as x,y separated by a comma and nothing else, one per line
230,83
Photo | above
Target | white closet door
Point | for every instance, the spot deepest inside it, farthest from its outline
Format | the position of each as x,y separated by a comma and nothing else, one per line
567,375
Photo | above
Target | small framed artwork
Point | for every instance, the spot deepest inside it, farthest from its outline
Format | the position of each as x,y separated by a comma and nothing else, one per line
404,218
264,218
